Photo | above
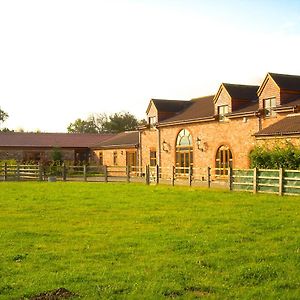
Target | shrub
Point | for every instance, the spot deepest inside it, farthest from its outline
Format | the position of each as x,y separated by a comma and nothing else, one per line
10,162
284,156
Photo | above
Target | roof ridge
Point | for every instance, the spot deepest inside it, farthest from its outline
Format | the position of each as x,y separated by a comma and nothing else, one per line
239,84
281,74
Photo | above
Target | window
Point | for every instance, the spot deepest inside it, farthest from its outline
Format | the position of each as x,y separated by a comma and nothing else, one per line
131,160
152,121
269,105
184,152
222,112
152,158
33,156
81,156
223,160
115,158
101,158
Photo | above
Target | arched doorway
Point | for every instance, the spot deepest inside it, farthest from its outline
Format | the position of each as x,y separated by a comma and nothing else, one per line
223,160
184,152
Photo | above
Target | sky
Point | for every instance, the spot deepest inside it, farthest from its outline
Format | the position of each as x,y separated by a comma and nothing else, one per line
66,59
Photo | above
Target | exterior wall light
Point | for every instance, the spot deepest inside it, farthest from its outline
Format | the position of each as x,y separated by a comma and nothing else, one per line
165,146
201,146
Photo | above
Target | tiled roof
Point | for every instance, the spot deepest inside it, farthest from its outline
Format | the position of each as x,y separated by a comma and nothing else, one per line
170,105
251,107
294,102
287,126
243,92
127,139
46,140
197,108
287,82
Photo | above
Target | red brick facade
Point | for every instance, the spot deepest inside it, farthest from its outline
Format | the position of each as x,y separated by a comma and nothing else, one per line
236,132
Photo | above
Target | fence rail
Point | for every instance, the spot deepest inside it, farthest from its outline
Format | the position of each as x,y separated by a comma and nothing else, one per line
282,182
253,180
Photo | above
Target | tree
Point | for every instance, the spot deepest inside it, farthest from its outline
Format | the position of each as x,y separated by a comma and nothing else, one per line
3,115
120,122
82,126
101,123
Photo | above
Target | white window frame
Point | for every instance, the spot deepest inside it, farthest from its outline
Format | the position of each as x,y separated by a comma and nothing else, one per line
269,105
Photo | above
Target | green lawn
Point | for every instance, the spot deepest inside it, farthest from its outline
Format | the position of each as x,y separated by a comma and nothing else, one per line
130,241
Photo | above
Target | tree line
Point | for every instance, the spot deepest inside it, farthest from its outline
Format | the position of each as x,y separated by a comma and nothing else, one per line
95,123
103,123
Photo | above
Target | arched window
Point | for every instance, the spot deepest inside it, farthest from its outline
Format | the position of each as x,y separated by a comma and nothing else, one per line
184,152
223,160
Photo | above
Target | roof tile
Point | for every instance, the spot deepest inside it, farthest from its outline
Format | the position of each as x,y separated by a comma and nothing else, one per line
50,140
287,126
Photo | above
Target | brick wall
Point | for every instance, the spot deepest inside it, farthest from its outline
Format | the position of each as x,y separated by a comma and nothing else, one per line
223,99
270,90
235,133
149,141
108,156
152,111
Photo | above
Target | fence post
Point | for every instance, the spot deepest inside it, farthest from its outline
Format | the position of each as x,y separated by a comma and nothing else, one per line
40,172
105,173
254,180
173,175
64,172
128,173
208,177
18,172
157,174
280,188
5,171
147,173
230,178
84,173
190,175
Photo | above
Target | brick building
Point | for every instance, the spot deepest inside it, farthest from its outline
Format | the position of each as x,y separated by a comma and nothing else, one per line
214,131
39,147
119,150
220,130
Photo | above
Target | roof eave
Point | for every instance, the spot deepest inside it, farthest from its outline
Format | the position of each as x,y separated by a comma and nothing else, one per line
285,108
242,114
206,119
124,146
278,134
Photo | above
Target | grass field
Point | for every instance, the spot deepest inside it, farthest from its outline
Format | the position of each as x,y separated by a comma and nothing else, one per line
130,241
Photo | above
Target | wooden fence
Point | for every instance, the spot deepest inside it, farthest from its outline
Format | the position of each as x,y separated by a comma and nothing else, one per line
281,182
254,180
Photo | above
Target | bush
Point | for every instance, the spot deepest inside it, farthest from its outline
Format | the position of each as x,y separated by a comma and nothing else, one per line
10,162
286,156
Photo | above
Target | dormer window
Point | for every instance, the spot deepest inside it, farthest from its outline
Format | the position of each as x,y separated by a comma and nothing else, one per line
222,112
269,105
152,121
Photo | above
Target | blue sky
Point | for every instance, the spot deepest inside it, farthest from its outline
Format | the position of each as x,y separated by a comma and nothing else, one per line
65,59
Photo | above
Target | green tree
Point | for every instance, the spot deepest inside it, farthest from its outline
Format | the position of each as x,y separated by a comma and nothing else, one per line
56,155
3,115
82,126
3,118
119,122
99,123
